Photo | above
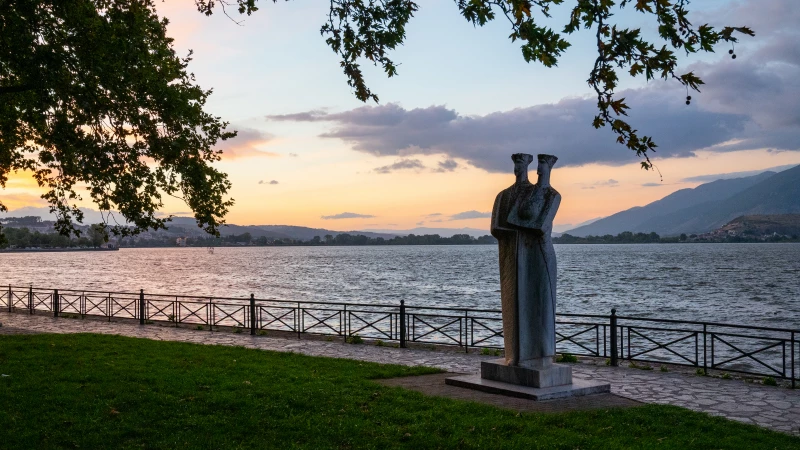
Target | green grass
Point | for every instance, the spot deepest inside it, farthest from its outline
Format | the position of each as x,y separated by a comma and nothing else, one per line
769,381
355,339
567,358
491,352
89,391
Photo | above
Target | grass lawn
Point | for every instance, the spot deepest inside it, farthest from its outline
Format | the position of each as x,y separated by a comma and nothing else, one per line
93,391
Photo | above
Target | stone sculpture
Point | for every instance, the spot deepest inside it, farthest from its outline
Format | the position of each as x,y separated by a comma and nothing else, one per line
522,220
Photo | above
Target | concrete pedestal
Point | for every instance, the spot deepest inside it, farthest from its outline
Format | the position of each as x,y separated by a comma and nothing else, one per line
541,375
577,388
535,380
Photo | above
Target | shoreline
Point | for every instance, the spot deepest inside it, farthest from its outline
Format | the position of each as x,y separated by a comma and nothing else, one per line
58,250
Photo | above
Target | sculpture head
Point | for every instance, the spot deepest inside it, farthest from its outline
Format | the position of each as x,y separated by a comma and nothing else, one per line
521,163
546,163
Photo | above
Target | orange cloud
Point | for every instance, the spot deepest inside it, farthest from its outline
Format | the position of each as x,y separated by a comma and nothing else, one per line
246,144
16,201
21,181
246,152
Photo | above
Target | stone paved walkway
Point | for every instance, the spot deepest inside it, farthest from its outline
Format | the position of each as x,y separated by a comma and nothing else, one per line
771,407
434,385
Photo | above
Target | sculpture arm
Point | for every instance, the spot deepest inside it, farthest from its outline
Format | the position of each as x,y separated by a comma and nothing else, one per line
549,213
496,228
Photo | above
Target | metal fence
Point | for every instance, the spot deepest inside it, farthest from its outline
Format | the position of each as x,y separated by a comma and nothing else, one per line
753,350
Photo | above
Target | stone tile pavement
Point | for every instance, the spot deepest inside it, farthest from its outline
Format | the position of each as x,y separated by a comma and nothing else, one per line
771,407
434,385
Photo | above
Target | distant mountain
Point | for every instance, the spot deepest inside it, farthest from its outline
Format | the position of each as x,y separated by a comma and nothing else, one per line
567,226
189,225
763,225
90,216
706,207
443,232
778,194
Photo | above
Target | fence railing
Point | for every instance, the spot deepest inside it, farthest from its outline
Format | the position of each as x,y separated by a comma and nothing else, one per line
753,350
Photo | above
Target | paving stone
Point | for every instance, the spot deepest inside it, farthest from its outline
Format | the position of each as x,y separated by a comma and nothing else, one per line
771,407
781,404
434,385
758,403
736,407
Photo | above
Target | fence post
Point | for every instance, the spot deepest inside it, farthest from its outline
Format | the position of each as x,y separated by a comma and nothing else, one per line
345,322
793,373
9,298
705,352
402,324
614,346
466,331
210,315
30,299
141,307
56,303
252,315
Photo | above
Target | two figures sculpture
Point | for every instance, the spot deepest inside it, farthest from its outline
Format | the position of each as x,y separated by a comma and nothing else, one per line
522,220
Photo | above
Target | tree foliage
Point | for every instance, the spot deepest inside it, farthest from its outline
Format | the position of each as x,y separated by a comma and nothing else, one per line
359,30
92,95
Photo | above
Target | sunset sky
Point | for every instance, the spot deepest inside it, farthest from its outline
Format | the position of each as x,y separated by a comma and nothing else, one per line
436,150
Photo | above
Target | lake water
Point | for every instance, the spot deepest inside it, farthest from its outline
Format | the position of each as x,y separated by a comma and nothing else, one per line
756,284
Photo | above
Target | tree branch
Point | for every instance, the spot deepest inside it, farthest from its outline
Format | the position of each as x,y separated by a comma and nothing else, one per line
15,89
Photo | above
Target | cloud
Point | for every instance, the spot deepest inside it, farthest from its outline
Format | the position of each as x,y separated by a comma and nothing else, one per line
470,215
747,103
421,223
762,82
403,164
606,183
730,175
433,214
293,155
20,200
767,18
348,215
268,182
246,143
315,115
562,129
652,184
448,165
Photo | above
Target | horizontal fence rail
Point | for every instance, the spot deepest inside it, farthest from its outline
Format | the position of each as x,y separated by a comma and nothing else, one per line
751,350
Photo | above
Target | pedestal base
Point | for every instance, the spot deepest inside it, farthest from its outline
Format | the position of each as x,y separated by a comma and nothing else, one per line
545,376
577,388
